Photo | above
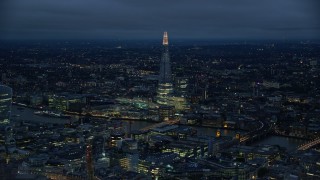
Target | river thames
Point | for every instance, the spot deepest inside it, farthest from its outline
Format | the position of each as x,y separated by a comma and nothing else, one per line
27,114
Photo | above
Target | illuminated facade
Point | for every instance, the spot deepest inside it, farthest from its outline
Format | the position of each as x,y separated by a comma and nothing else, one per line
165,87
165,92
166,113
5,104
130,162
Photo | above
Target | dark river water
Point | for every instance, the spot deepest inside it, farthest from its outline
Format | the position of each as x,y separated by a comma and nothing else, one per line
27,114
289,143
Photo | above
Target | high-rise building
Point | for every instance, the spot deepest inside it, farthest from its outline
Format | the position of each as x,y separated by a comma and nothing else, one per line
90,170
165,87
5,104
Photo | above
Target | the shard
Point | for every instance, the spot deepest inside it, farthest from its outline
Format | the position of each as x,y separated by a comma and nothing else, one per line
165,88
5,104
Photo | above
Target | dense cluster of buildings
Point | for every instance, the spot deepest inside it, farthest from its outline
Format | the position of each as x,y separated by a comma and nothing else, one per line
257,91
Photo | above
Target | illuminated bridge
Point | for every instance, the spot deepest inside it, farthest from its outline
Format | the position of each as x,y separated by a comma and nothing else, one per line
309,144
160,125
251,136
262,131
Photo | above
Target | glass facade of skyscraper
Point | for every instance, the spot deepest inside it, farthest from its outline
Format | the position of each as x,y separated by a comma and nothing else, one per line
5,104
165,87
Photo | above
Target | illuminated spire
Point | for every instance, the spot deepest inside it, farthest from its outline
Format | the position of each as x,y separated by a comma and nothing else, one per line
165,39
165,88
165,65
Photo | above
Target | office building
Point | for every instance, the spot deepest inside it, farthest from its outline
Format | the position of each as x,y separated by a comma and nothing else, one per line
5,104
165,87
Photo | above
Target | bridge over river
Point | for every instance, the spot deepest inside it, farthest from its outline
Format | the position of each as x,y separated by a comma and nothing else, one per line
309,144
256,134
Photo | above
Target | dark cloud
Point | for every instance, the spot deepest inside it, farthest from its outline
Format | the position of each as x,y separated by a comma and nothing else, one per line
246,19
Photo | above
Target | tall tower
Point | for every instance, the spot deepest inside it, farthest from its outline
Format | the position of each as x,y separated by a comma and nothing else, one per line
5,104
89,162
165,88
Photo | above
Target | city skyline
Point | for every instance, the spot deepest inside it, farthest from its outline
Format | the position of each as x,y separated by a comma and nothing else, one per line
92,90
287,19
92,111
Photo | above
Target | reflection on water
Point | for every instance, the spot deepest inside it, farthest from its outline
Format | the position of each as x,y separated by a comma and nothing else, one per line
26,114
207,131
290,143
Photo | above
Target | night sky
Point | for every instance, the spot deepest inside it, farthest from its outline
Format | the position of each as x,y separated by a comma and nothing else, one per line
143,19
